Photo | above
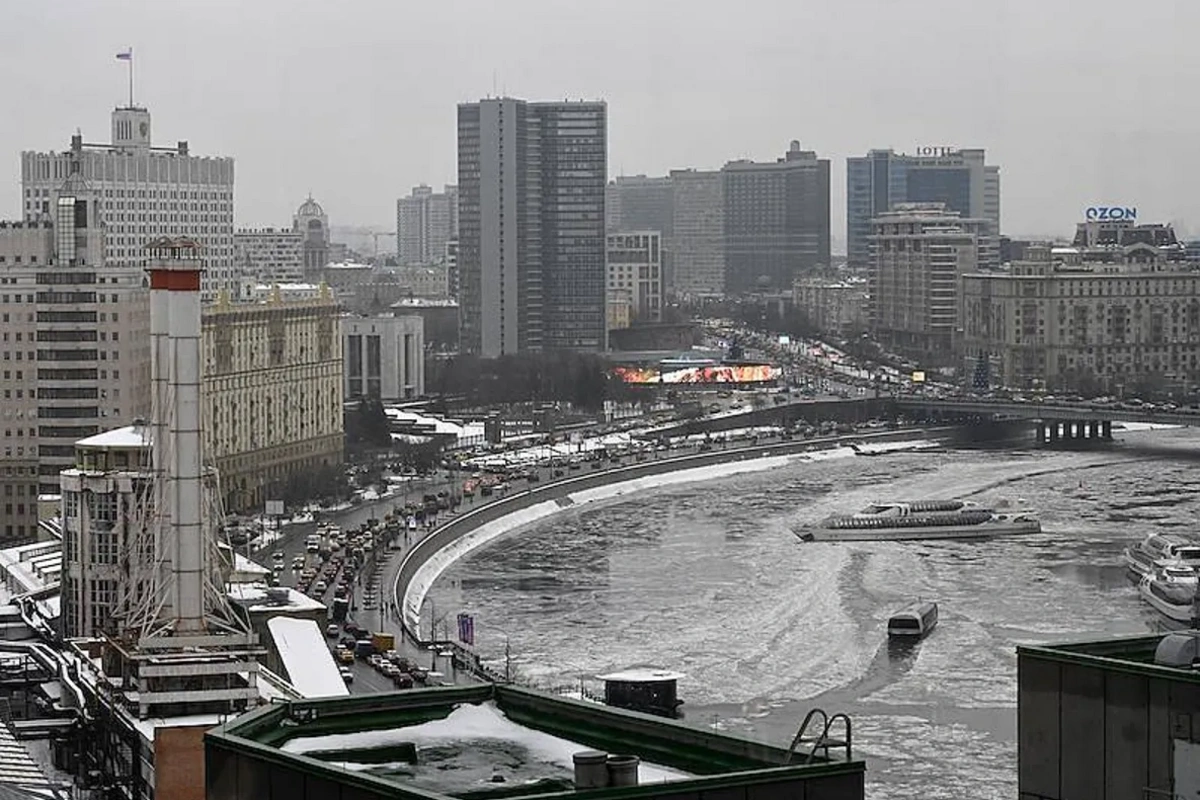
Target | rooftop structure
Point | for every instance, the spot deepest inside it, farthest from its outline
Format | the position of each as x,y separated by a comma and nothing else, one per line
1115,718
175,646
492,741
306,658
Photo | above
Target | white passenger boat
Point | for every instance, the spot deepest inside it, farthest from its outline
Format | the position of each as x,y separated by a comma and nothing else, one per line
913,622
1173,597
1159,549
926,519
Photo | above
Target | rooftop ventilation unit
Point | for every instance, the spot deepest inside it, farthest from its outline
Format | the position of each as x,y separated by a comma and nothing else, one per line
1180,649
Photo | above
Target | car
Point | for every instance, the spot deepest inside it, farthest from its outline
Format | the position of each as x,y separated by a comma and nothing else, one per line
278,555
321,586
332,630
347,674
345,656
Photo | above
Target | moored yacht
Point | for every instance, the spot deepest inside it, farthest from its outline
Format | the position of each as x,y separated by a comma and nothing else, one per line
1171,591
928,519
1158,549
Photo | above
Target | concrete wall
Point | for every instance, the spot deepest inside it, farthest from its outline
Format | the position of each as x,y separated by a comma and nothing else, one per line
1104,729
460,526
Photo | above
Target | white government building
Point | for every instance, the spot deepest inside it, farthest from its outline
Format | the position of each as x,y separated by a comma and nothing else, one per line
145,192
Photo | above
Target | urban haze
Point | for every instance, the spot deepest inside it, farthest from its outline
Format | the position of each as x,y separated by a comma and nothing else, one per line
498,401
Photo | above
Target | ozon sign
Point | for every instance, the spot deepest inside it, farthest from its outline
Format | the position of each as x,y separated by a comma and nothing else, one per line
1111,212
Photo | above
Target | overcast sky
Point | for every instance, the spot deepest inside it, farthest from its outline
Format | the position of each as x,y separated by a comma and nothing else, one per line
1079,103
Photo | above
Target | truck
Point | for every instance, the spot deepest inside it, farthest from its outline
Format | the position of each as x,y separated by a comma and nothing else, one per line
339,609
382,642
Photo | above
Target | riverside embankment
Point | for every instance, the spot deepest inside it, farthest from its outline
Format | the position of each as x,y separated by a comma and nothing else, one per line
431,555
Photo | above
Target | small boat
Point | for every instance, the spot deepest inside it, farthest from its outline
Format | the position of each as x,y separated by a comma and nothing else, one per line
1173,599
927,519
914,621
1145,557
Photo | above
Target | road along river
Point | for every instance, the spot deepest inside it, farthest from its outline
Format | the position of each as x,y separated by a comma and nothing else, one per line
707,577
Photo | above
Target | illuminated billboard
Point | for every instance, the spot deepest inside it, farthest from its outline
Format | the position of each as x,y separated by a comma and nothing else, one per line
703,374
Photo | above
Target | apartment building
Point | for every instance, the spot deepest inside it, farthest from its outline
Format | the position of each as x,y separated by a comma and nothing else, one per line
635,266
1108,314
269,255
272,393
919,251
74,347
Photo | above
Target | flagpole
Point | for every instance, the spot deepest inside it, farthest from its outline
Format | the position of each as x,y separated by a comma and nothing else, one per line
131,77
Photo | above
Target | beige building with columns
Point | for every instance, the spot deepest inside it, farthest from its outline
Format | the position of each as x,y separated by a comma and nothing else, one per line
272,395
1119,319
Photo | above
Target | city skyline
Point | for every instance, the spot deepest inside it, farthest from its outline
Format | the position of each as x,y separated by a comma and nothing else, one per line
1020,94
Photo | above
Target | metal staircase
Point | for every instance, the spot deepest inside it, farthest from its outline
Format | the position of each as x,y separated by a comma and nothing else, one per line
821,741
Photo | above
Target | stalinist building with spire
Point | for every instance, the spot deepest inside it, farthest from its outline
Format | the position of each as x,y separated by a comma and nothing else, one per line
144,192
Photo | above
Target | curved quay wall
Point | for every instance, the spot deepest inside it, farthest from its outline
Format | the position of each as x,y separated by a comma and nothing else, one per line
447,534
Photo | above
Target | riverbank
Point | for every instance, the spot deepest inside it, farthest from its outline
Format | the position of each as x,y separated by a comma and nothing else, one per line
441,547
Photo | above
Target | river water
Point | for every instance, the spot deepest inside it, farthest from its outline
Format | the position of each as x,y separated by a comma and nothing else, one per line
708,579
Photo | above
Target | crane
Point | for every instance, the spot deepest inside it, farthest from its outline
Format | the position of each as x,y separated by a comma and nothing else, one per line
375,240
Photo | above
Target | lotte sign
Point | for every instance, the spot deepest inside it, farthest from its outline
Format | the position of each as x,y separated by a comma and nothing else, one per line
928,151
1111,213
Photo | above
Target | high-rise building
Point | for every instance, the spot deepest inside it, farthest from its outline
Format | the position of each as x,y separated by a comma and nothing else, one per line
531,180
776,220
311,221
698,240
635,269
920,251
269,255
425,223
384,356
144,192
875,182
639,203
75,345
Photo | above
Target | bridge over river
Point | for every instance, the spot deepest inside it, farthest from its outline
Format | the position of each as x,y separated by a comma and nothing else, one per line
1056,420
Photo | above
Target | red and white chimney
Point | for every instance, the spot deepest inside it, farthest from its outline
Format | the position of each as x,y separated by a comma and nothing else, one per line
175,268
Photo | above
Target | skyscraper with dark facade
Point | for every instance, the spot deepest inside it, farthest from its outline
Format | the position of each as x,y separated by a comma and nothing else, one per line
960,179
531,252
776,220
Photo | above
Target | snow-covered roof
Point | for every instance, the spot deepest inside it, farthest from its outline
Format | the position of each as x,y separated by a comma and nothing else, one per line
33,566
642,675
288,287
129,436
306,657
248,567
432,425
254,596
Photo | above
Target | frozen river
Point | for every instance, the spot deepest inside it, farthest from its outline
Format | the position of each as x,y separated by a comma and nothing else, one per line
707,578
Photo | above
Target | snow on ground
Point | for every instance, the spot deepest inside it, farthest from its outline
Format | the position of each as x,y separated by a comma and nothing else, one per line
465,725
428,572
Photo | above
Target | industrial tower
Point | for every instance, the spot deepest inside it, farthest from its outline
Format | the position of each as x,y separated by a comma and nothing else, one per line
178,647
